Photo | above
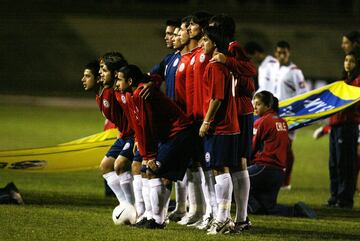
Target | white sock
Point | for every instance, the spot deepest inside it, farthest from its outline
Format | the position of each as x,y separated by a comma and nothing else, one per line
146,196
208,185
157,200
196,199
223,190
127,186
166,200
241,183
112,179
139,201
181,195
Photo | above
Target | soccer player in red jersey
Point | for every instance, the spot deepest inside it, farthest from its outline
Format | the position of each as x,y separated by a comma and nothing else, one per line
267,172
243,71
163,135
220,127
193,79
115,164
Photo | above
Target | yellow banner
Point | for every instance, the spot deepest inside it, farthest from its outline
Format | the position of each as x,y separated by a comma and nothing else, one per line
80,154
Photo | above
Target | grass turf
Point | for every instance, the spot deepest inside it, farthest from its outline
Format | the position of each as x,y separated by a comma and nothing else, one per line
72,206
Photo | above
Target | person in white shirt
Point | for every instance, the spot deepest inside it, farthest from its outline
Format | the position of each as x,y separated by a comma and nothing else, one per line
288,81
267,65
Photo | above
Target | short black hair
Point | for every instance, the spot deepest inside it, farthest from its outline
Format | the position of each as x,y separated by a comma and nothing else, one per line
173,22
202,18
283,44
252,47
216,35
114,61
132,71
186,20
353,36
94,67
224,22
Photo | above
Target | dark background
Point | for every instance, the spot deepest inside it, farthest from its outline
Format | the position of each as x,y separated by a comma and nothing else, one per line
44,44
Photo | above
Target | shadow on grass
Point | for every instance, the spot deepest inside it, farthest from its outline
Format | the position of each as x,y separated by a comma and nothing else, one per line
327,212
55,198
304,234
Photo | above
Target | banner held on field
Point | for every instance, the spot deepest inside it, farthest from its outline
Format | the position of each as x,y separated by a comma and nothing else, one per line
80,154
318,104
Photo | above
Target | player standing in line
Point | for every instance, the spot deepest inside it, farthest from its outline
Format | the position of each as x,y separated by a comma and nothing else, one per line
180,41
267,64
169,33
243,70
163,135
289,81
114,165
220,128
194,76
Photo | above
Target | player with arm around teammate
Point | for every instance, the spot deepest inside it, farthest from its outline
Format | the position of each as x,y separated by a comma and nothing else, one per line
163,133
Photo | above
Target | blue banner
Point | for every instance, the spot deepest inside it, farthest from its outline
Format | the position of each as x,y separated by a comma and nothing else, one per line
318,104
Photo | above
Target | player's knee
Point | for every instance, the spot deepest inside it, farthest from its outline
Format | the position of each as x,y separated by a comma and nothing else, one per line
136,168
121,165
107,165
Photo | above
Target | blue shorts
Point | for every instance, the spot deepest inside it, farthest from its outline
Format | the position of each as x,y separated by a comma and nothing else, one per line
246,123
174,155
222,150
122,147
137,157
197,155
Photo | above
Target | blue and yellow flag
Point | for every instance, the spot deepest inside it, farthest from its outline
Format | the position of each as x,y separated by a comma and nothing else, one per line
318,104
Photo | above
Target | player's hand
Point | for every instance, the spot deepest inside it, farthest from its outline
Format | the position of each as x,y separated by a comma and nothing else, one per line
135,148
147,90
319,132
218,57
204,129
152,165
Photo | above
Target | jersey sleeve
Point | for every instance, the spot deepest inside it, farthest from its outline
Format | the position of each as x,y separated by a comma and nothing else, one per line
148,141
299,82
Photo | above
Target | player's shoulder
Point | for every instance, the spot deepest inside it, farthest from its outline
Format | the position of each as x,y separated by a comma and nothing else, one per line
293,67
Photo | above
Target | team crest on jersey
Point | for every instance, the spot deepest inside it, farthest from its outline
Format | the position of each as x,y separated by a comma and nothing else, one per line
126,146
202,58
182,67
207,156
123,99
106,104
176,62
192,61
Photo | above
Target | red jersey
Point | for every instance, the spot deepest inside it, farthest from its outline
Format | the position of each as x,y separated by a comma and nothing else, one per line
112,111
200,61
154,120
217,84
244,71
189,82
270,140
350,115
180,81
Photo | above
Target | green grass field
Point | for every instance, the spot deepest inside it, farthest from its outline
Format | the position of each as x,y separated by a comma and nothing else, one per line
72,206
